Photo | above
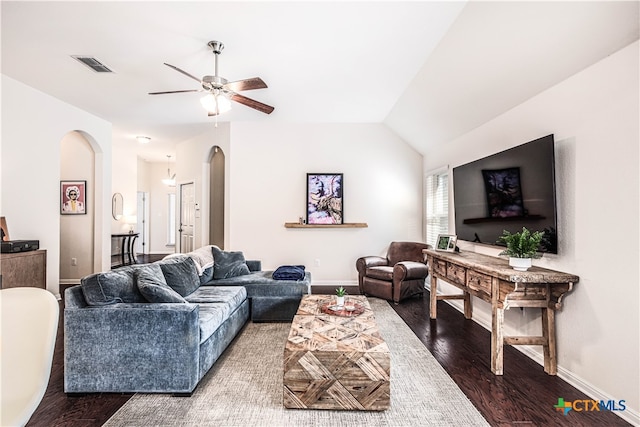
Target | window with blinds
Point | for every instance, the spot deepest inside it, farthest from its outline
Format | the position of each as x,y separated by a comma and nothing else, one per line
437,208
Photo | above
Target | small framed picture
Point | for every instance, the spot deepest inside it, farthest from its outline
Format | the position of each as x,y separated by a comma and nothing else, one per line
73,197
4,230
446,242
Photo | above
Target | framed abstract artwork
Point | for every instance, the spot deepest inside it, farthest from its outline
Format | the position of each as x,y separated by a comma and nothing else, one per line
325,198
73,196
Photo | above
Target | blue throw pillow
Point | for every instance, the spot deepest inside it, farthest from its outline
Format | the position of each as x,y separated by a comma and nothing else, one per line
111,287
153,286
207,275
181,274
228,264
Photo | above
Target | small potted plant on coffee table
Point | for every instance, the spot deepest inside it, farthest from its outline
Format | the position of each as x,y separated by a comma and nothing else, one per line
521,247
340,293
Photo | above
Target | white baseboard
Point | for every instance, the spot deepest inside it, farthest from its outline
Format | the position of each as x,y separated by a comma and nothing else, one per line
335,283
629,415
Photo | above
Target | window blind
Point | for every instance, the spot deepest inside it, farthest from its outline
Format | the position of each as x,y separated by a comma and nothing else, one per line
437,205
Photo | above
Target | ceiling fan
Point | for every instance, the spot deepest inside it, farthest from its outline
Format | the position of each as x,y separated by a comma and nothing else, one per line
220,91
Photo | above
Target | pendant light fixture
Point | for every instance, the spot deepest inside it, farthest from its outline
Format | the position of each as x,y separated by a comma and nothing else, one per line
170,180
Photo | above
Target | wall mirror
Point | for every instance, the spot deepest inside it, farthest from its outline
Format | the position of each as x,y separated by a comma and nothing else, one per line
116,206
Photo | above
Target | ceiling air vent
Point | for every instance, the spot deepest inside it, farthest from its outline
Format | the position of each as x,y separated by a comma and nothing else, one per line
93,63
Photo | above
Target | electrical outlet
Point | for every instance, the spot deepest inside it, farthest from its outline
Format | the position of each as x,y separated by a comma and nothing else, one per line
74,261
317,262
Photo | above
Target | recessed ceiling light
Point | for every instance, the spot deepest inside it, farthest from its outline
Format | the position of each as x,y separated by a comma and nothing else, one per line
143,139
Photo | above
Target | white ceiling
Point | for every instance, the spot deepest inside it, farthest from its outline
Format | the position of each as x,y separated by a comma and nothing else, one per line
430,70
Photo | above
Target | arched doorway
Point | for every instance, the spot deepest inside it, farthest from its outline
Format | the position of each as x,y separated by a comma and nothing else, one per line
77,223
216,197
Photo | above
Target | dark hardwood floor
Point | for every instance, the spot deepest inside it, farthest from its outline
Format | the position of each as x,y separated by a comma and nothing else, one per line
523,396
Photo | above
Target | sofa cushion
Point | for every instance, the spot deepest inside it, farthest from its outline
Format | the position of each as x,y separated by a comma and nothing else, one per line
153,286
111,287
232,295
262,284
216,304
181,274
228,264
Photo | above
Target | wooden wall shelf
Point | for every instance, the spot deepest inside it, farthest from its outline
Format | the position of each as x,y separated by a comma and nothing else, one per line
345,225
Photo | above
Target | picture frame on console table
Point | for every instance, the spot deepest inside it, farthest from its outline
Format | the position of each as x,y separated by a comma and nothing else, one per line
73,197
5,230
325,198
446,242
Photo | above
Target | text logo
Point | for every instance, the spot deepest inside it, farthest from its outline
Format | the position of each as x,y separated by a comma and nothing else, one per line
589,405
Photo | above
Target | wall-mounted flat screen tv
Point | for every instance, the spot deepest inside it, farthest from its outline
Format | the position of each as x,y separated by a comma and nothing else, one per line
507,191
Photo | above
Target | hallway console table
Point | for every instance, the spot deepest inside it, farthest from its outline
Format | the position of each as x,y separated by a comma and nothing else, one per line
494,281
127,252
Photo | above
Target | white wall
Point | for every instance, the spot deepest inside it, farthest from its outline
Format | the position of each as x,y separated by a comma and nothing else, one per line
125,177
30,175
192,165
268,163
76,231
595,118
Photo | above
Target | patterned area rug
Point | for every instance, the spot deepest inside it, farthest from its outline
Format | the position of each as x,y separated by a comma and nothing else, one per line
244,388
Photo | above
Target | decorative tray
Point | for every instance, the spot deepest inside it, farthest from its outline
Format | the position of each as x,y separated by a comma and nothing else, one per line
347,310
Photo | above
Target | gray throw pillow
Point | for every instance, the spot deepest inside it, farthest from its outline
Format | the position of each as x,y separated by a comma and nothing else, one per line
153,286
207,275
111,287
228,264
181,274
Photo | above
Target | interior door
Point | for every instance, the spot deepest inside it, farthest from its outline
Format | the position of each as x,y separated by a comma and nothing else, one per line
187,217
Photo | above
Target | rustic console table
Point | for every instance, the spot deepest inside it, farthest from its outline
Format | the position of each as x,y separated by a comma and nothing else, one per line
492,280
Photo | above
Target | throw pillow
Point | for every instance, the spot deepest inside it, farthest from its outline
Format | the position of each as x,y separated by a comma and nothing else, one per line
181,274
207,275
111,287
228,264
153,286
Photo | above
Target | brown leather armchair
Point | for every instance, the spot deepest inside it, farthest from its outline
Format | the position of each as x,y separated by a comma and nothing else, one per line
398,276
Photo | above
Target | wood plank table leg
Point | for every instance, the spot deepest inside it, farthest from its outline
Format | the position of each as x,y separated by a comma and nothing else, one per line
433,297
497,341
497,335
468,310
549,335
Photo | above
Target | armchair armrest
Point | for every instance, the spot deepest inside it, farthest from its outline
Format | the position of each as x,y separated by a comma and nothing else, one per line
369,261
131,347
408,270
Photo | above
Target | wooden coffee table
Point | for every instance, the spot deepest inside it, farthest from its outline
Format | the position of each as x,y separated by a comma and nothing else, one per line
336,359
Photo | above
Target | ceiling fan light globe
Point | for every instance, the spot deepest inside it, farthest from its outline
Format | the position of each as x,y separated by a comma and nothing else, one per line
224,104
215,103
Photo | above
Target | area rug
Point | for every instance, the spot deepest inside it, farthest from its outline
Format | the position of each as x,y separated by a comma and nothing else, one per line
244,388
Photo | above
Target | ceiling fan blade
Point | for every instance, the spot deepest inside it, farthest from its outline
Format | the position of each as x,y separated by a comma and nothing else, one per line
175,91
267,109
183,72
246,84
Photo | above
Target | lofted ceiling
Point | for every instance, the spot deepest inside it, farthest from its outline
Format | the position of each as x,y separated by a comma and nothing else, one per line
430,70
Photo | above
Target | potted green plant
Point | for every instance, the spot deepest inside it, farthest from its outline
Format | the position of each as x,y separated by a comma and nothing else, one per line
521,247
340,293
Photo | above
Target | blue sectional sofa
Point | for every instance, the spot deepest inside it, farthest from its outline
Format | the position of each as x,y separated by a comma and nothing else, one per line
160,327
